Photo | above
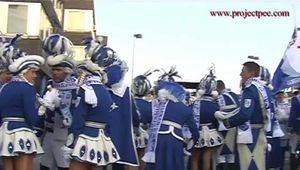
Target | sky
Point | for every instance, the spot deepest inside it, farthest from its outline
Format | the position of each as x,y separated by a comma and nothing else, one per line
183,33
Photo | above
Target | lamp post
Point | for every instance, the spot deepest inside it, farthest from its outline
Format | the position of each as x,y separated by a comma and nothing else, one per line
253,57
135,36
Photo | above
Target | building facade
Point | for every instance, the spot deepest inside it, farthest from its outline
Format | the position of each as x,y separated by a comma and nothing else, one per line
36,19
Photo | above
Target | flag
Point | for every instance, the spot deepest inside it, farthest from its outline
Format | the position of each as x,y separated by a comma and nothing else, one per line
287,73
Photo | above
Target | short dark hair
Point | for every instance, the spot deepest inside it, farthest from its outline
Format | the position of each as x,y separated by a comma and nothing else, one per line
220,84
252,67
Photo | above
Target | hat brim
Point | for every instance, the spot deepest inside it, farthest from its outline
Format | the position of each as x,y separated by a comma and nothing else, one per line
23,62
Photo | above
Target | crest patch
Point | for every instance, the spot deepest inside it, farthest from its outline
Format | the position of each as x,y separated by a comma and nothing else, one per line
247,103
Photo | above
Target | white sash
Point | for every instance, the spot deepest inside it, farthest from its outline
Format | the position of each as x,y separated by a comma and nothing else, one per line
266,99
196,112
244,131
158,112
197,106
222,103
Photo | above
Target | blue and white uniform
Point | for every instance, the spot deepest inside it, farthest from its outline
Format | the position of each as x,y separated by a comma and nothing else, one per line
58,101
252,121
168,116
203,110
228,102
140,88
18,114
121,125
18,111
7,52
55,131
275,158
124,116
90,118
141,139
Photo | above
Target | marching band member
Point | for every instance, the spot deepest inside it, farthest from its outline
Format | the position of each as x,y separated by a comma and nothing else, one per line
91,147
7,50
282,113
18,141
228,102
140,88
58,101
294,129
203,110
274,156
124,116
252,120
168,115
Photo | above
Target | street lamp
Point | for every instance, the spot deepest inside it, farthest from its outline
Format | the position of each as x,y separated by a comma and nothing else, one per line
135,36
253,57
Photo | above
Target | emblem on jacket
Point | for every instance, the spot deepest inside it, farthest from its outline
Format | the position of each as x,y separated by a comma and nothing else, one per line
113,106
247,103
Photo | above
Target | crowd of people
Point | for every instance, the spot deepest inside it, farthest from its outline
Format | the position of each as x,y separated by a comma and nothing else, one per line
89,118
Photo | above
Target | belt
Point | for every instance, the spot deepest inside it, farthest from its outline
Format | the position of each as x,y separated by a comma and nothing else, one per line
95,124
171,123
15,119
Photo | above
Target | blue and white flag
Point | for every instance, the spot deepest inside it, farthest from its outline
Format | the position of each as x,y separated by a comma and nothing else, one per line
287,73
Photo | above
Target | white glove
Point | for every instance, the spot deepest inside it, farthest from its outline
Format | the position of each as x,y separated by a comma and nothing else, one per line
46,103
190,144
52,97
42,110
186,152
67,122
269,146
67,152
220,115
49,100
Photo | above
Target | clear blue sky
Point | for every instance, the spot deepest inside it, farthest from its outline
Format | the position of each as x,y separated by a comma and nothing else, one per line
183,33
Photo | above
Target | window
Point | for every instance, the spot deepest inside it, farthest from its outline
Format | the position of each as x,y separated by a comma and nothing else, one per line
76,21
17,19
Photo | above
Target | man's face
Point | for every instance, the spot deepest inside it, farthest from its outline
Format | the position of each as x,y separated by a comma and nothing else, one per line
245,74
59,74
31,75
5,76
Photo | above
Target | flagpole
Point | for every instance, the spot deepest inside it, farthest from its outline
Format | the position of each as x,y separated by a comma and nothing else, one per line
135,36
132,59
